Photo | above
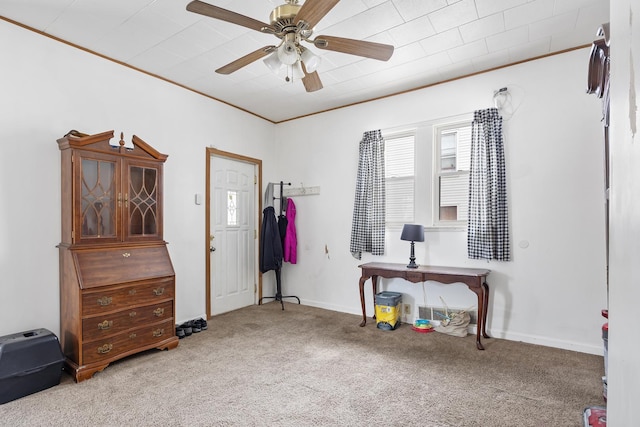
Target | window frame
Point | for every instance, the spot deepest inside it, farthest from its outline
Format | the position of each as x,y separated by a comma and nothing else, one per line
437,173
426,195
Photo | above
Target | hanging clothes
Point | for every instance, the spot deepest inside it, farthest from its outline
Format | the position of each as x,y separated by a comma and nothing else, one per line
270,242
282,219
282,228
268,195
290,238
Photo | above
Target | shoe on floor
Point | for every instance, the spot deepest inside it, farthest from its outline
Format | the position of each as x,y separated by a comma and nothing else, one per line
187,328
202,323
180,332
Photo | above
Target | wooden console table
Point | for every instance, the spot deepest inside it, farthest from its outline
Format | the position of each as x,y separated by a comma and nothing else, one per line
474,278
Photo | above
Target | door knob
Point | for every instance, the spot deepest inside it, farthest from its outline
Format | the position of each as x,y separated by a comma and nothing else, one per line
212,249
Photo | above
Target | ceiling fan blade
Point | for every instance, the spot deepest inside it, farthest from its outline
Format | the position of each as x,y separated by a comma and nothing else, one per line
311,81
372,50
216,12
245,60
312,11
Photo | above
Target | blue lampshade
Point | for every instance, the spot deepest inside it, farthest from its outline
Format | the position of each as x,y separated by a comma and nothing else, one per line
412,233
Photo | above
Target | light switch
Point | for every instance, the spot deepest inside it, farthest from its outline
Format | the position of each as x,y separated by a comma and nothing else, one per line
198,199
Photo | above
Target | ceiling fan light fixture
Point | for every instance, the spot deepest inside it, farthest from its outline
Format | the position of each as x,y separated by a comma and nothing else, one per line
273,62
292,23
311,60
288,53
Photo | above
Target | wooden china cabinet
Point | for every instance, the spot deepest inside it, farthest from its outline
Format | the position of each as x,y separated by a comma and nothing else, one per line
117,283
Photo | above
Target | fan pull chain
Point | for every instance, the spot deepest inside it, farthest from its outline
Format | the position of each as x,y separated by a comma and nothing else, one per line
289,70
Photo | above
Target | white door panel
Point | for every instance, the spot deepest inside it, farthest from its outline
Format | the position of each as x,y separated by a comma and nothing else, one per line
232,224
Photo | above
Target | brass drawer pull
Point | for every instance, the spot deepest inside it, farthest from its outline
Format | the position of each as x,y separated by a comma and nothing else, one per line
107,324
104,349
158,291
132,292
104,301
133,336
126,254
158,332
133,314
158,312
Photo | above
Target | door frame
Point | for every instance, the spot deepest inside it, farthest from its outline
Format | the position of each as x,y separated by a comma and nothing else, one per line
210,152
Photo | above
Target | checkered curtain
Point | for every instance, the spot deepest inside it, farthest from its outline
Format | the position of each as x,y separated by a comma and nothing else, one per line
367,229
487,228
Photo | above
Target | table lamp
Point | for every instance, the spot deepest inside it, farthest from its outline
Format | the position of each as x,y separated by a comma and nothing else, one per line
412,233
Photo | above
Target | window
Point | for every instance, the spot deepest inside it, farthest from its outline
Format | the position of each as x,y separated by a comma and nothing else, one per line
399,159
452,144
232,204
427,173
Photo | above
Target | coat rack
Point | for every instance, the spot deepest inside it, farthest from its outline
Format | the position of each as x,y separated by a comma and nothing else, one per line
281,198
301,191
281,219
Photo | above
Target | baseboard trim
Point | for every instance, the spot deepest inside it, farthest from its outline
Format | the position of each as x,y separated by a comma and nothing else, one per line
549,342
511,336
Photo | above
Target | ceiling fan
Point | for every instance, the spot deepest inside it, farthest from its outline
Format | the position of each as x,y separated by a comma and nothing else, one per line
293,24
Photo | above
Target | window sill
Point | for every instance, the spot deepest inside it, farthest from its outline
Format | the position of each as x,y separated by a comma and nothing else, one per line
430,228
437,228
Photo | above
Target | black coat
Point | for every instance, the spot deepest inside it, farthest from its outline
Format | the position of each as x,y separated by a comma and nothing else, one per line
270,242
282,229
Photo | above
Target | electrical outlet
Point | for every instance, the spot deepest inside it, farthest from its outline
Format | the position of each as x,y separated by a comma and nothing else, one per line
407,309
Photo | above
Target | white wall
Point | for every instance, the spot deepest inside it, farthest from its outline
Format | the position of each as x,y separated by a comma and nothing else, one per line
48,88
553,290
550,294
624,294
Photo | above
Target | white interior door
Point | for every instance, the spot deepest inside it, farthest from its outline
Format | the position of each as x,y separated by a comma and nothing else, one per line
233,275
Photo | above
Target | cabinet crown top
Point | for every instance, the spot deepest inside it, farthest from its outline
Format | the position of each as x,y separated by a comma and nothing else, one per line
101,142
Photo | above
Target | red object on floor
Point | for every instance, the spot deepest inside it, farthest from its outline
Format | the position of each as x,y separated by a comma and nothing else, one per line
595,416
422,330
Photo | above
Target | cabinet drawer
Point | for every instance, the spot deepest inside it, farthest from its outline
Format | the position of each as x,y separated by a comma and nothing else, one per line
109,266
107,348
114,323
110,299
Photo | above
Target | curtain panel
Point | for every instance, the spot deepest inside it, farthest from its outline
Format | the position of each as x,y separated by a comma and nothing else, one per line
487,227
367,229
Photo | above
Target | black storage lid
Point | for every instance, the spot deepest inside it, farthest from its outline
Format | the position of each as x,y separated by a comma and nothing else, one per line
28,351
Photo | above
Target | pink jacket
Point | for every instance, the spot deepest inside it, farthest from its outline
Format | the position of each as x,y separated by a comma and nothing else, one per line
290,239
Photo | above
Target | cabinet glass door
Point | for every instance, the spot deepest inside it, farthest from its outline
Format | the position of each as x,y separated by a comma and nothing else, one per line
143,196
97,199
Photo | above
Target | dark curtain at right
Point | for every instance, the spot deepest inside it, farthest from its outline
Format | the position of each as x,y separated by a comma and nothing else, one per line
488,225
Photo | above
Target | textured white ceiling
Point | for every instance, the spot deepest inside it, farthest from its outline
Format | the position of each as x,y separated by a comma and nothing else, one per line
435,40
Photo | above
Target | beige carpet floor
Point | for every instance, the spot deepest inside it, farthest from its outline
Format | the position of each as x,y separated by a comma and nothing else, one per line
261,366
